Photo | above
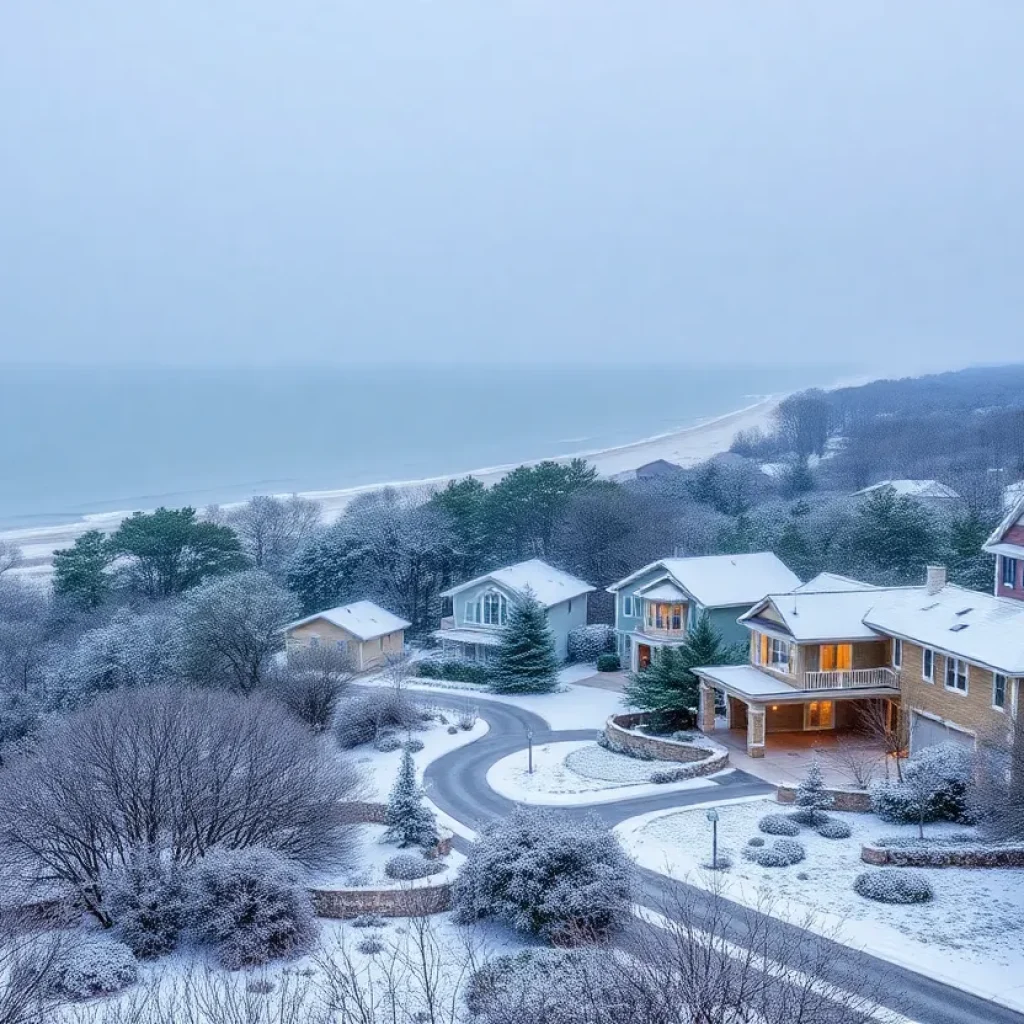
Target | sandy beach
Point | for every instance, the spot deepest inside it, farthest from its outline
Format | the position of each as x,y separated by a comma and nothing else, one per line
685,447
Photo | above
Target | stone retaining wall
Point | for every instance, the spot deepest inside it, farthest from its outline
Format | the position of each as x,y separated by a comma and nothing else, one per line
858,800
943,857
407,902
619,731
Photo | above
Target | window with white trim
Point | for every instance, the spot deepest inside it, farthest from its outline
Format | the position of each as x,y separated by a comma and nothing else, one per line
627,605
780,655
999,691
956,674
928,665
1009,572
472,612
341,645
495,609
897,652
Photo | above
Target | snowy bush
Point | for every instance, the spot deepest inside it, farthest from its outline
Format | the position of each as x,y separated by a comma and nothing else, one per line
663,775
467,719
413,746
778,825
261,986
363,718
835,830
145,900
812,800
935,787
369,921
410,822
608,663
546,873
769,858
453,730
387,742
453,670
756,841
371,945
407,867
251,905
894,886
792,850
588,643
722,863
94,968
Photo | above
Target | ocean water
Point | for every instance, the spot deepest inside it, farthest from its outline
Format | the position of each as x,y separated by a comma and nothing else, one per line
76,441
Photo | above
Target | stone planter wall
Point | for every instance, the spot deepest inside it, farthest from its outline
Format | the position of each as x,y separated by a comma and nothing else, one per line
619,731
858,800
407,902
944,856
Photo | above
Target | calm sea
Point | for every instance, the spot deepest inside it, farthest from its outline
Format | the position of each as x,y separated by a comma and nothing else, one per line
75,441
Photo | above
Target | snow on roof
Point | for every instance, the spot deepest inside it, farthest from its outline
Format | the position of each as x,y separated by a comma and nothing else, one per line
663,591
363,619
913,488
723,581
550,586
1013,517
749,681
812,616
828,582
965,623
1012,493
469,636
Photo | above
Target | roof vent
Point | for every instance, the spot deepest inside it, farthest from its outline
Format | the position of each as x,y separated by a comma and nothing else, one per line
929,607
936,578
964,611
959,627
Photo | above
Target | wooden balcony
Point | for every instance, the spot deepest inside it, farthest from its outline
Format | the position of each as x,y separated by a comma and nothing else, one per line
852,679
678,635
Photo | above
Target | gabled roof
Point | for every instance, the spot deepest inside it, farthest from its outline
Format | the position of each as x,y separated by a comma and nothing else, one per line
830,582
663,590
980,628
723,581
550,586
1012,518
363,619
820,616
913,488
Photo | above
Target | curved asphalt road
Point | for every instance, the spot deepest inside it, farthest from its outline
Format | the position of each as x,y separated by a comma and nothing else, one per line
456,783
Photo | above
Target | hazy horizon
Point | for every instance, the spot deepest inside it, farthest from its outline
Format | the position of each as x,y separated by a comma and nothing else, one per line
251,184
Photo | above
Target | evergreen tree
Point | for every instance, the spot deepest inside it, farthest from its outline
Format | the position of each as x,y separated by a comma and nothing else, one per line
895,534
80,572
464,504
525,660
797,478
811,796
667,689
410,822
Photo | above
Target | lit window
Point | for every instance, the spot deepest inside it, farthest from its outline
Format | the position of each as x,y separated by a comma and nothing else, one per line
998,690
956,675
897,653
928,665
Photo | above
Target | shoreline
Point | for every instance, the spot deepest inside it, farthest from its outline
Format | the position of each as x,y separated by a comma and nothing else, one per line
685,446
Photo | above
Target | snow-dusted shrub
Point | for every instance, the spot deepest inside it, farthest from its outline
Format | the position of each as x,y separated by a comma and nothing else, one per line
452,730
936,787
361,719
663,775
467,719
387,742
778,825
769,858
145,900
791,849
261,986
453,670
94,968
369,921
756,841
251,905
413,746
588,643
371,945
410,822
546,873
835,830
722,863
956,839
812,799
608,663
407,867
894,886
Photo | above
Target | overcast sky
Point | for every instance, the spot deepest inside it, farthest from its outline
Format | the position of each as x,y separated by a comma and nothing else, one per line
258,180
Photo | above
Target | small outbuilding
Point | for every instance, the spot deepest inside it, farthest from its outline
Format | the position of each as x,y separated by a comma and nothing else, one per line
363,630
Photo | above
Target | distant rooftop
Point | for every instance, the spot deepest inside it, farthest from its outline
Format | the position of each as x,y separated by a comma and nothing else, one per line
550,586
921,489
363,619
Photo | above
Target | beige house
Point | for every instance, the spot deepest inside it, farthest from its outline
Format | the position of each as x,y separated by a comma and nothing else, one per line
363,630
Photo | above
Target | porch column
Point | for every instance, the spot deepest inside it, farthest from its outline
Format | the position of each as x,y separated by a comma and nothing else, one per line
706,720
755,730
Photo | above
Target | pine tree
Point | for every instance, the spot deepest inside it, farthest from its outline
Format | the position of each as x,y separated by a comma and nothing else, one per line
525,661
410,822
80,572
812,797
667,689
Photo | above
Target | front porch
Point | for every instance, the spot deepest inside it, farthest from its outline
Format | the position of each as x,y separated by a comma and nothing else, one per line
467,644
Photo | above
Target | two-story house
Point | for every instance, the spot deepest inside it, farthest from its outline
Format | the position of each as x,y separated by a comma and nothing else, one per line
480,607
1007,544
657,605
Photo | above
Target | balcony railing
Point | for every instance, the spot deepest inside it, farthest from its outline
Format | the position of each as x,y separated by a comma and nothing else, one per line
448,622
663,634
851,679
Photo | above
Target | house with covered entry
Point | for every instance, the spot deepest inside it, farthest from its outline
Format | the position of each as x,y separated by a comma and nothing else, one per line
656,606
479,608
362,630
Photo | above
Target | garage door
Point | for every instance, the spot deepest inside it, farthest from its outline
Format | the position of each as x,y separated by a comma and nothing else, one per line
926,732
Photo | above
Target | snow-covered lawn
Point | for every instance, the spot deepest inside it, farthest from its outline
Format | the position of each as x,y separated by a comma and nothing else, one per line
372,856
381,768
971,935
580,772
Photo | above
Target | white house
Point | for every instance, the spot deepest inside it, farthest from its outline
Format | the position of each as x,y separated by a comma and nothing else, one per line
480,607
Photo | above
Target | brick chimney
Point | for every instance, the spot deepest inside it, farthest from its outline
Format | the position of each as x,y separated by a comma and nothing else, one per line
936,579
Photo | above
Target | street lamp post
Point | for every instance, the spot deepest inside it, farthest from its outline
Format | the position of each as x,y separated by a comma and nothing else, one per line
529,740
712,816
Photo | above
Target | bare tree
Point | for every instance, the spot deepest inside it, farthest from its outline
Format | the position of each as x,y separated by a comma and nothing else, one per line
312,683
10,556
853,760
28,960
887,722
167,769
398,668
272,530
998,794
25,646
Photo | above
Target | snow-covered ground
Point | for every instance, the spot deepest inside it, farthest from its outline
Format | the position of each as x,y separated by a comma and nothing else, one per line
372,856
381,768
971,935
580,772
